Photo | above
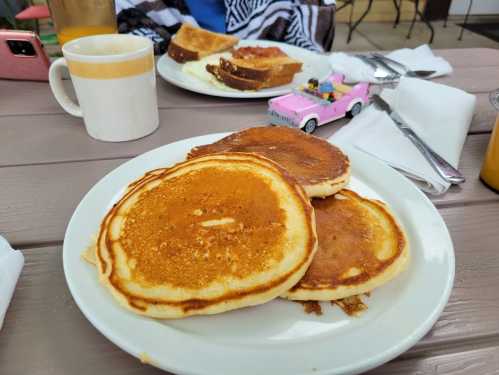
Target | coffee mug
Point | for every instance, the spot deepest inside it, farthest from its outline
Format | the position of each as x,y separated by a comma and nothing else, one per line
115,84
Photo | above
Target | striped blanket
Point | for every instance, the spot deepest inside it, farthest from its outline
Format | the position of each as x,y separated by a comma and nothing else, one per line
304,23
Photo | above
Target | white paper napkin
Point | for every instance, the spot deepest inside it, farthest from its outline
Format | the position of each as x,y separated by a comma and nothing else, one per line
420,58
11,264
439,114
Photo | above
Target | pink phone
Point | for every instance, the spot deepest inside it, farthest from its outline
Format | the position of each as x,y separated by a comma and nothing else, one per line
22,56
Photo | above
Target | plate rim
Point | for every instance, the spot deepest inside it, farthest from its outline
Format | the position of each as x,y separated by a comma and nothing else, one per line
360,366
235,94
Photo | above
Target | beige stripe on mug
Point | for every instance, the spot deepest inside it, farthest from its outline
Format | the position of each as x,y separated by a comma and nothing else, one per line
108,70
115,84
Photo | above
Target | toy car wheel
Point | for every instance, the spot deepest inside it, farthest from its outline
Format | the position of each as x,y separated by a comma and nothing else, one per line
310,126
357,107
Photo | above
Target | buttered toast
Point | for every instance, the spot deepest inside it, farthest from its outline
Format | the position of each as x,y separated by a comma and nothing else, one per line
193,43
246,61
254,68
240,83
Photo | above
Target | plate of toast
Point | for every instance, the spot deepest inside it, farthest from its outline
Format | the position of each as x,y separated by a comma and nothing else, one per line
223,65
267,250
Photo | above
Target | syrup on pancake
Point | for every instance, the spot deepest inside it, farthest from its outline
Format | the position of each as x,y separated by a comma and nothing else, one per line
321,168
208,235
361,246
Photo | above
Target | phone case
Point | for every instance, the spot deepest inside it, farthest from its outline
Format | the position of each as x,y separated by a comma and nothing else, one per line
32,68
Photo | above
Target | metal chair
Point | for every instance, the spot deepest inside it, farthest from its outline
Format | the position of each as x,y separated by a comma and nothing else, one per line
468,11
417,12
352,27
397,3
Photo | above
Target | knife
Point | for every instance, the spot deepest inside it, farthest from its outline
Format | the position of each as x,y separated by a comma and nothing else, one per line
439,164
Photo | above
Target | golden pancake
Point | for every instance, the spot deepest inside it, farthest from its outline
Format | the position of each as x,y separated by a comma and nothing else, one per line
321,168
208,235
361,246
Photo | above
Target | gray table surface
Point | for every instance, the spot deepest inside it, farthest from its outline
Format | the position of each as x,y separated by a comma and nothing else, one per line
47,164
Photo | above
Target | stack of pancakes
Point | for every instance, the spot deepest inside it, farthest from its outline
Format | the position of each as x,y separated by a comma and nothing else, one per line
259,214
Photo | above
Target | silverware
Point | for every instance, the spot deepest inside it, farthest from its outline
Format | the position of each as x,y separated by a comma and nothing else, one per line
407,72
439,164
381,62
379,72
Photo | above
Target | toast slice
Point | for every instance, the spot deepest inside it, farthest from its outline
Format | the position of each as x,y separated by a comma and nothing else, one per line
251,53
254,68
241,83
260,63
193,43
261,69
239,69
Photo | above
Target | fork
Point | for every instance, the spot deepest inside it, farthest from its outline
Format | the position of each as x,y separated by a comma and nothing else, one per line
380,73
407,72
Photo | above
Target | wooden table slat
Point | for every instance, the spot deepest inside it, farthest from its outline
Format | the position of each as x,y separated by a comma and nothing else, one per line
60,137
37,201
24,97
482,361
473,307
473,79
470,164
469,57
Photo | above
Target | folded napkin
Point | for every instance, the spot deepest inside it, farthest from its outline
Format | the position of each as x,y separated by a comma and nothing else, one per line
439,114
420,58
11,264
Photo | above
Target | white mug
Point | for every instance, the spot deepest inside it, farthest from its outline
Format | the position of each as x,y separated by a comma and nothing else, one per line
115,84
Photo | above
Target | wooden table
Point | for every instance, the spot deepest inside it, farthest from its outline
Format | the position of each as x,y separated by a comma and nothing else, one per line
47,164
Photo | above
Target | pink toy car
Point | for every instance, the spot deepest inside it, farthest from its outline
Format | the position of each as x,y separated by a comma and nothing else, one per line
311,107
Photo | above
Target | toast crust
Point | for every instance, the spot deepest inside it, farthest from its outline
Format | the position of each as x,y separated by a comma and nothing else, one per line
193,43
240,83
240,70
232,80
181,54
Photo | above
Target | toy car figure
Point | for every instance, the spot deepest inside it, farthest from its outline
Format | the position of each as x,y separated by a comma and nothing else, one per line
318,103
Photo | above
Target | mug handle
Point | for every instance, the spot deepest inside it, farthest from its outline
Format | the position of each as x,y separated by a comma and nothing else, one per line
55,81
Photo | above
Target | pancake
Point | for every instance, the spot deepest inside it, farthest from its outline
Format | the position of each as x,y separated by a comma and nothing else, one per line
208,235
89,254
361,247
321,168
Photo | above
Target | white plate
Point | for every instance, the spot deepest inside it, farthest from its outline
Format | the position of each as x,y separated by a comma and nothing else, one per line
314,66
277,337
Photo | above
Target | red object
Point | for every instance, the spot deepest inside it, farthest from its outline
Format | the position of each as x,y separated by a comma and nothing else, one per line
34,12
22,56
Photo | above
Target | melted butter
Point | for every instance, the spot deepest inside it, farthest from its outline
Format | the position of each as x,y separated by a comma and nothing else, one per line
165,235
198,70
216,222
145,359
89,253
